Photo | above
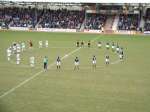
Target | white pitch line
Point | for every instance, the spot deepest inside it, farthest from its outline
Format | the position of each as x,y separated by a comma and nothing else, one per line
38,73
115,62
32,77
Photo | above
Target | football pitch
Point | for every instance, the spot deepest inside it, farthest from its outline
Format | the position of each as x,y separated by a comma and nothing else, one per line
122,86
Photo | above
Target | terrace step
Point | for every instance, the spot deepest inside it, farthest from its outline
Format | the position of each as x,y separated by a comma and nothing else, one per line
115,23
109,22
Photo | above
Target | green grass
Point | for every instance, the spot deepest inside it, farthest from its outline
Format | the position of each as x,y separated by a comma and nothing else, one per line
121,87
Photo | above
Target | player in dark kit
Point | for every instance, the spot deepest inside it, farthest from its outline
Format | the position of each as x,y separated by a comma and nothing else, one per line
82,44
77,44
58,63
121,54
107,45
76,63
30,44
107,60
94,62
45,62
113,46
89,44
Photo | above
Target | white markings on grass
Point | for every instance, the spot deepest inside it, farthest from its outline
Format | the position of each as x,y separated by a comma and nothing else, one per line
115,62
38,73
33,76
19,85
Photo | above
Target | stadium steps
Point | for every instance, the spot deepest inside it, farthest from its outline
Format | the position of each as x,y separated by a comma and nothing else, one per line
37,25
109,24
82,26
142,22
115,23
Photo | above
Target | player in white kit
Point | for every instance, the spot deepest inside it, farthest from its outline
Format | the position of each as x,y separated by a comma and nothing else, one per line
107,46
8,54
117,49
18,48
14,48
32,61
17,58
23,46
40,44
99,44
46,43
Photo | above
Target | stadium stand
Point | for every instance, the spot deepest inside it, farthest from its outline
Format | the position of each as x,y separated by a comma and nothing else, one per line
17,17
61,19
97,18
128,22
25,17
95,21
147,20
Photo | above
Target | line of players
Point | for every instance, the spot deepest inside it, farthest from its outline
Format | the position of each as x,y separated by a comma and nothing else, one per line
76,62
43,44
115,47
17,48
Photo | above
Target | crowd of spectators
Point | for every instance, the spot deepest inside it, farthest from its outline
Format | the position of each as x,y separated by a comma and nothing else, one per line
17,17
95,21
45,18
128,22
5,17
61,19
147,20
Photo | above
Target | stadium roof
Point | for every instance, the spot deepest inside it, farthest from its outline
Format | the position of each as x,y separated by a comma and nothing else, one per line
83,1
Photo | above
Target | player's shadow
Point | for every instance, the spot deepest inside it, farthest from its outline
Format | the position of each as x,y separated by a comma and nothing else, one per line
4,107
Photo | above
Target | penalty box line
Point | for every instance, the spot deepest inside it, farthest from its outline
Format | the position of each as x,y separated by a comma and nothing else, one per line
38,73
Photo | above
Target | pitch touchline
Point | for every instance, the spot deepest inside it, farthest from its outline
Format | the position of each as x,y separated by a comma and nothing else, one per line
38,73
